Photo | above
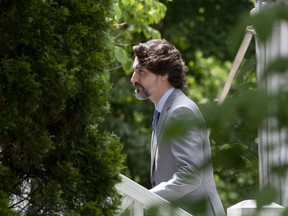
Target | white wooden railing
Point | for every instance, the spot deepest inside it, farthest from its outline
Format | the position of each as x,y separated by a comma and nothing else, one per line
137,199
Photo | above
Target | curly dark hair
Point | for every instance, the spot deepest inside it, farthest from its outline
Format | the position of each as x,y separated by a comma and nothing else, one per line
161,57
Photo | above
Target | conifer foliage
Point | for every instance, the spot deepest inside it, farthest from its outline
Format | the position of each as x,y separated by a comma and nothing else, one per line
54,157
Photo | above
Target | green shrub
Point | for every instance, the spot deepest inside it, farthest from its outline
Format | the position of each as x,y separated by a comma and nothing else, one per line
54,97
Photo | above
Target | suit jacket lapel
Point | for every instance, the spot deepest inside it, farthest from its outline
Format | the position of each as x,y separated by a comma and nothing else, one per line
156,135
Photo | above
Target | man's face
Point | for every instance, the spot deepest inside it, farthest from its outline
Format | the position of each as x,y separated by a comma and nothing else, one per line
145,82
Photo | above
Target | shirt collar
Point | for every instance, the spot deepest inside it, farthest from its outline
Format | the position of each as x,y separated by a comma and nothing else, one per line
160,104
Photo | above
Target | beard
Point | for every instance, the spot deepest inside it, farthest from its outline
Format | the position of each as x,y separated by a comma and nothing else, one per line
141,92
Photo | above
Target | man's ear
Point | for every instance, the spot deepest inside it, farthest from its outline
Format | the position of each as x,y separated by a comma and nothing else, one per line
164,76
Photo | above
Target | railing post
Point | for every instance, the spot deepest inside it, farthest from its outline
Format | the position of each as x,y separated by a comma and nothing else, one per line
138,209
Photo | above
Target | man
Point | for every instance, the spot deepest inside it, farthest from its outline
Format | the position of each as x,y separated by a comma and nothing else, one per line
181,169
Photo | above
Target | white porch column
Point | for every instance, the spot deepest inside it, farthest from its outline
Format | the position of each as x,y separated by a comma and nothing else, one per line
273,139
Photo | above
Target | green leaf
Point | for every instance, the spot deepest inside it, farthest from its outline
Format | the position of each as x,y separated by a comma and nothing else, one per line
117,11
120,54
263,24
279,65
266,196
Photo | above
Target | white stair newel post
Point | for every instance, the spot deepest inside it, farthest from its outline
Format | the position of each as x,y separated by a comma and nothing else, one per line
249,208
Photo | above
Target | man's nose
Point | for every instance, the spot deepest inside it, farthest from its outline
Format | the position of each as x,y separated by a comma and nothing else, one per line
134,78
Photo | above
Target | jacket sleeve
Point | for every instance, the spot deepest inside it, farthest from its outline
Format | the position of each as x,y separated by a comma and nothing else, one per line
185,133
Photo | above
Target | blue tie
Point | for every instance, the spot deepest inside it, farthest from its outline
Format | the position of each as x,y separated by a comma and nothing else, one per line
155,119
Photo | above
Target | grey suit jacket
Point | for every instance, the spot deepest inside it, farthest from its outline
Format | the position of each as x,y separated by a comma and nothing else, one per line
181,168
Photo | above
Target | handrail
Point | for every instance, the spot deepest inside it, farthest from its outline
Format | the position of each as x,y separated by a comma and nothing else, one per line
139,199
